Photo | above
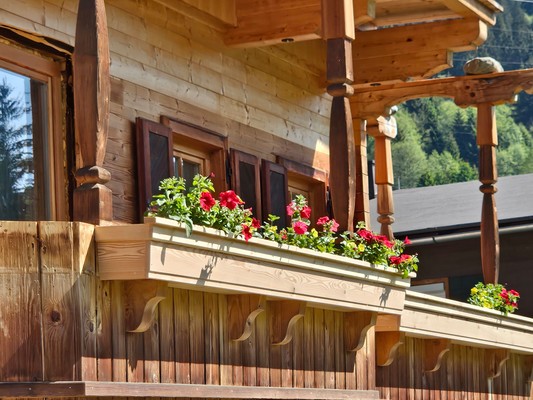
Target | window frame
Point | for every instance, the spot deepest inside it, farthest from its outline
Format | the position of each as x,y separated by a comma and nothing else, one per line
35,64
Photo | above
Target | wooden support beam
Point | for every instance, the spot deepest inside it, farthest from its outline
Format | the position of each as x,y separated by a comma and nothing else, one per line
243,309
140,303
283,315
261,23
387,344
388,323
383,131
468,8
494,361
487,140
356,326
362,200
434,351
455,35
496,88
92,199
402,67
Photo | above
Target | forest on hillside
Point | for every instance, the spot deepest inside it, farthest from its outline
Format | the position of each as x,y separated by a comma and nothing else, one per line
436,142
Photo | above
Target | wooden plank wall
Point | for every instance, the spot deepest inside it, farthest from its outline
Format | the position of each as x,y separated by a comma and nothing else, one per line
462,375
164,63
189,343
47,322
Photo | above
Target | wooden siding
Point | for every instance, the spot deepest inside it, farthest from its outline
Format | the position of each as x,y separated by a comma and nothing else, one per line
465,373
269,101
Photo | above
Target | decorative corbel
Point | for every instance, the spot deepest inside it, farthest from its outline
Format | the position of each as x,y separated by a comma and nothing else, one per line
388,323
495,360
356,326
434,350
140,303
283,316
387,344
243,309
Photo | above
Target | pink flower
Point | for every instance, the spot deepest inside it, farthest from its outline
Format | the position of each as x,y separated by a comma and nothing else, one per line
306,212
406,241
229,199
206,201
322,220
246,232
255,223
290,209
299,227
334,226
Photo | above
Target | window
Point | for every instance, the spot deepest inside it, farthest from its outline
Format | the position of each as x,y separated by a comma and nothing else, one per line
174,148
32,163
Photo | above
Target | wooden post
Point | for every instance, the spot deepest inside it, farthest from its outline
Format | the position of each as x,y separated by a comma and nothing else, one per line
92,199
337,23
362,206
383,132
487,140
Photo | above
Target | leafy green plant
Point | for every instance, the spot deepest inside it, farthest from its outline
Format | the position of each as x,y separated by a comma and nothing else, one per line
197,205
494,296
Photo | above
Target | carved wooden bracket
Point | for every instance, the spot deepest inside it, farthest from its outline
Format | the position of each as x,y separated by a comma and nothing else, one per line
387,344
283,316
388,323
356,325
494,360
141,300
243,309
434,352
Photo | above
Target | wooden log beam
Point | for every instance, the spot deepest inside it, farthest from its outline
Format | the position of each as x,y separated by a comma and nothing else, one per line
337,23
455,35
362,200
262,23
487,140
92,199
496,88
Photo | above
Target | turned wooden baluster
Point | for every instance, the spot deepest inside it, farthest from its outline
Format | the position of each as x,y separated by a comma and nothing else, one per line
362,206
383,131
487,140
92,199
338,29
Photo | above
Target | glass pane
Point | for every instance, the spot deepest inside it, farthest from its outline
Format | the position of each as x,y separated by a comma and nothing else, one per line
189,170
277,197
23,133
247,185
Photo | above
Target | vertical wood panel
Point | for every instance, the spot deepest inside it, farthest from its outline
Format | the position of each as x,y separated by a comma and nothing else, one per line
262,337
197,336
61,319
319,348
298,350
182,335
166,337
309,345
20,338
225,360
340,360
212,339
104,337
118,331
329,349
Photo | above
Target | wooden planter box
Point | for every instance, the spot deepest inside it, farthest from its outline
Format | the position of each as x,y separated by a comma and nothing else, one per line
210,260
433,317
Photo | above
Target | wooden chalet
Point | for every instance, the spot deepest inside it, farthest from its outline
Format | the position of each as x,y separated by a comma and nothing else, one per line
276,98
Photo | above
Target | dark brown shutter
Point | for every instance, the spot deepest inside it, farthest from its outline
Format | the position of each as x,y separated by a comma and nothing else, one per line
245,180
275,194
154,159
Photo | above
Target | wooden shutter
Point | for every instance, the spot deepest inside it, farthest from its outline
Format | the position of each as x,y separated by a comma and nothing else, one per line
274,187
154,159
245,180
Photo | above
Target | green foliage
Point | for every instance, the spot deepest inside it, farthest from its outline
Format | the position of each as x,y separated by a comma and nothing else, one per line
495,297
444,168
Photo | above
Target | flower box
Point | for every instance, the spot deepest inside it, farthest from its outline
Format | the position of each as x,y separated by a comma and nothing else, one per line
210,260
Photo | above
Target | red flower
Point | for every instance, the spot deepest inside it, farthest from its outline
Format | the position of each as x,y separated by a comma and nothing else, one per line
255,223
513,292
406,241
206,201
230,200
290,209
366,234
397,260
322,220
299,227
306,212
246,232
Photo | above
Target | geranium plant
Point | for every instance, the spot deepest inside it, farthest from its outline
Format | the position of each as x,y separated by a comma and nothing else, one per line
494,296
197,205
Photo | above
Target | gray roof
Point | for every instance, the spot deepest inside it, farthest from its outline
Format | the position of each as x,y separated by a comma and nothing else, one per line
458,205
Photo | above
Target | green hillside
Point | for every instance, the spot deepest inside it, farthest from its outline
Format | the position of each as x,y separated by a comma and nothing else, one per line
436,142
